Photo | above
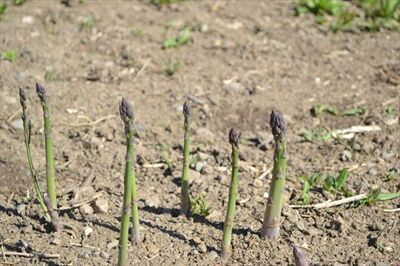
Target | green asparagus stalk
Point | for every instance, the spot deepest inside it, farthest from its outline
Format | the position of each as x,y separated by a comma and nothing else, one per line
185,201
50,169
272,215
27,136
234,138
126,113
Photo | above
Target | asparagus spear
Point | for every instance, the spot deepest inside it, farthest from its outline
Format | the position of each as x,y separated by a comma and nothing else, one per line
27,136
234,138
126,113
185,201
272,215
50,169
300,258
55,221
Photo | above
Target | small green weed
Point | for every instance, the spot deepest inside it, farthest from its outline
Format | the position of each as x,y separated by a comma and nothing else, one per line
165,2
9,55
381,13
49,76
182,39
316,134
3,7
18,2
173,67
199,205
390,111
331,184
391,175
87,23
318,7
376,196
322,108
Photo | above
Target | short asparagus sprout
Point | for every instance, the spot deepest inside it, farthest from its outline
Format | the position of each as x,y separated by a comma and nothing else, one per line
185,201
234,138
300,258
50,169
27,136
272,215
130,202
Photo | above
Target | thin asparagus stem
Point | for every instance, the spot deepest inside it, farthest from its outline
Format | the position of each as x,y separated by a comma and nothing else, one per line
272,215
127,117
185,201
27,136
300,258
55,221
50,169
234,138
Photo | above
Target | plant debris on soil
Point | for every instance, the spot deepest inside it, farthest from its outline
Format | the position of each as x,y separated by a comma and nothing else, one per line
239,62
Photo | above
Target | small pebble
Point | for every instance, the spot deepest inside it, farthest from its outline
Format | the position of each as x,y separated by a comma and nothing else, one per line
100,206
153,249
27,20
104,255
85,209
87,230
346,156
212,255
112,244
56,241
21,208
17,124
258,183
202,248
199,166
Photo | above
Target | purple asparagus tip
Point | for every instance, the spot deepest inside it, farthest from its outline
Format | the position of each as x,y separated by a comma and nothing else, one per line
41,92
299,257
234,137
22,97
125,110
187,111
277,123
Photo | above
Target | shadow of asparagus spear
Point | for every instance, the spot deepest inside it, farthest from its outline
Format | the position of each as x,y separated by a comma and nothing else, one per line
234,138
272,215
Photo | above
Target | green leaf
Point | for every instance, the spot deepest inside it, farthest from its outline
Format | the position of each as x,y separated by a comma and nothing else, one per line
9,55
305,196
387,196
307,135
3,7
354,111
182,39
341,179
329,183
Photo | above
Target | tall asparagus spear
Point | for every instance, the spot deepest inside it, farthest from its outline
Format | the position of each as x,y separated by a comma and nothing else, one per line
185,202
50,169
272,215
27,136
234,138
126,113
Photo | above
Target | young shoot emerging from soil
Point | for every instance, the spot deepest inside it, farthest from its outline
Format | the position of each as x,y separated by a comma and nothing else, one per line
50,168
130,202
272,215
27,137
234,138
185,201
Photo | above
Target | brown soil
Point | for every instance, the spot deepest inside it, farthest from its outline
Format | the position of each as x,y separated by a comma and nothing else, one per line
243,60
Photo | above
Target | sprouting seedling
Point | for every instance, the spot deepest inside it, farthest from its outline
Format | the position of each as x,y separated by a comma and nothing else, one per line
50,169
336,184
376,196
199,206
27,137
185,201
234,138
300,258
272,215
182,39
130,195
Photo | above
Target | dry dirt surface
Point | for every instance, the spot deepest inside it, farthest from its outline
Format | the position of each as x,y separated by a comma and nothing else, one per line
243,59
